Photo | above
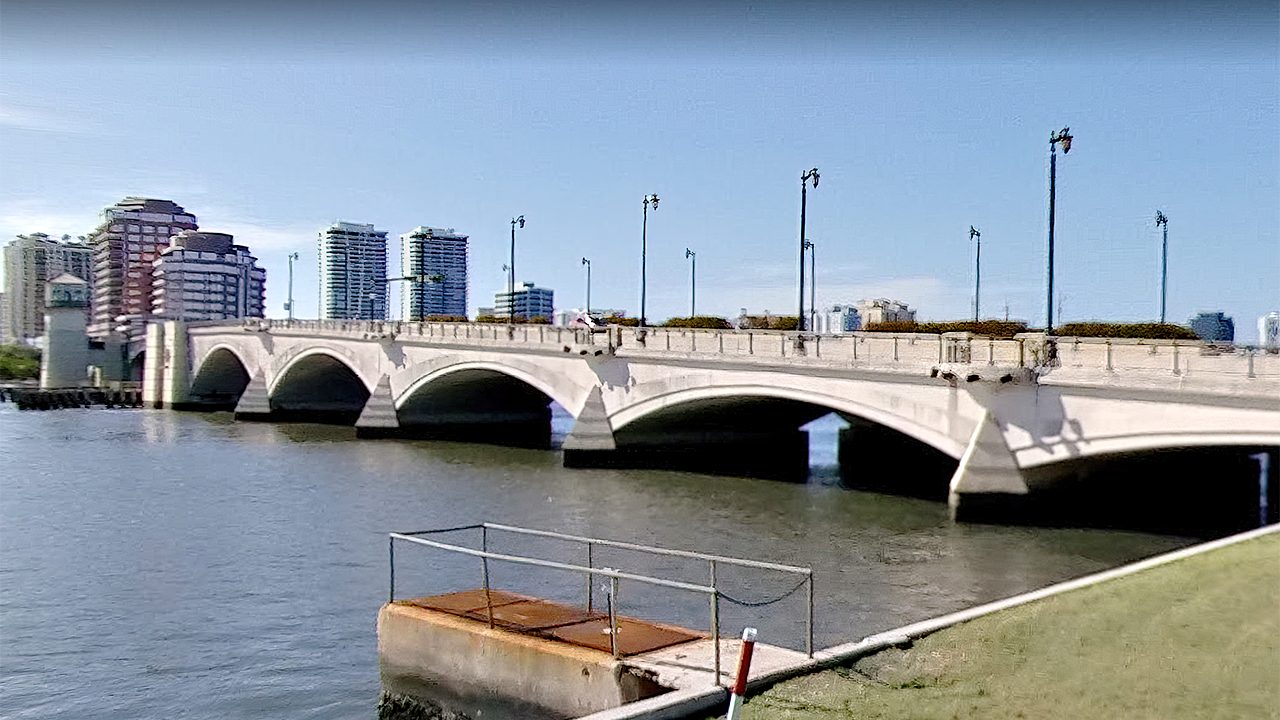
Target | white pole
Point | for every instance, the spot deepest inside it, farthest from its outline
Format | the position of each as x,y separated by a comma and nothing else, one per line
744,667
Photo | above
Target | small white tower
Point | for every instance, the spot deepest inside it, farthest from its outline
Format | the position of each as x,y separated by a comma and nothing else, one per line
65,360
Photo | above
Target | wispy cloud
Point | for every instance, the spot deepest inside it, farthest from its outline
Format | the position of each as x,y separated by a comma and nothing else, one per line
34,119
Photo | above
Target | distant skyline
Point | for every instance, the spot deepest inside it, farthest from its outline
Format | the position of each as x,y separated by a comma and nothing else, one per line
923,119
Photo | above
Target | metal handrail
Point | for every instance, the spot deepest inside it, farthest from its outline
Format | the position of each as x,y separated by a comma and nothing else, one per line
590,571
653,550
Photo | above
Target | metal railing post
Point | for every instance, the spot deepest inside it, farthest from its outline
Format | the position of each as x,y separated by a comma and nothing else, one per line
715,620
809,642
613,617
484,563
590,577
391,550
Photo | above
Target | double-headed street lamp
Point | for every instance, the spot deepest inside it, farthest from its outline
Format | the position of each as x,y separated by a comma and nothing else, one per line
289,305
977,273
1063,137
804,187
693,280
511,283
420,307
644,229
1161,219
588,264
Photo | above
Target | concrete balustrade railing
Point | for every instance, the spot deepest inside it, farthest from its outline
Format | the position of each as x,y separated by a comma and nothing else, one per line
907,352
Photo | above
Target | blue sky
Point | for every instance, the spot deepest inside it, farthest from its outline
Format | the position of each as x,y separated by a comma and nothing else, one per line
922,118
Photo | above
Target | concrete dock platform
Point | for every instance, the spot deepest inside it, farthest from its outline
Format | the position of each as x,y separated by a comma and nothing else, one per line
554,656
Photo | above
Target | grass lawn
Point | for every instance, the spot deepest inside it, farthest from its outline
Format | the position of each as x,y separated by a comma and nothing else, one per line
1197,638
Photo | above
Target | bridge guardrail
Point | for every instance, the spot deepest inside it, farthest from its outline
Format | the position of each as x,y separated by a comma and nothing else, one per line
902,350
907,352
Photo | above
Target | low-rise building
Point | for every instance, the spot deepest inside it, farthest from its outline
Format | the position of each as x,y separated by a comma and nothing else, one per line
883,310
526,302
1214,327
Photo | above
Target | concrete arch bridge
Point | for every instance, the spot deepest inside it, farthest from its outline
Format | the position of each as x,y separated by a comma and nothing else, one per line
989,417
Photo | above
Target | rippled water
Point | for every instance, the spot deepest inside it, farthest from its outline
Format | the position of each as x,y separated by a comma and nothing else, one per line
160,564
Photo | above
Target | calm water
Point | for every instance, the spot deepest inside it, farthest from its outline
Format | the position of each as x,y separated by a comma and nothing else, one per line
159,564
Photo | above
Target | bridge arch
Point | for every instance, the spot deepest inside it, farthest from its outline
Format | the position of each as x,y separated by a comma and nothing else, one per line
676,402
478,401
220,379
318,385
539,381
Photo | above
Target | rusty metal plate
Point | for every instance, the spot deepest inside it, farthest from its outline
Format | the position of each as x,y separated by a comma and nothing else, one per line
530,615
462,603
634,636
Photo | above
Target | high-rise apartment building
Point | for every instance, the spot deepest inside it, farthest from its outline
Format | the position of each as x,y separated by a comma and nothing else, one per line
526,302
130,237
30,262
353,272
205,276
438,258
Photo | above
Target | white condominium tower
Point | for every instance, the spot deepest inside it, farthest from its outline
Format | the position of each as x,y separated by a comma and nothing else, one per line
30,262
353,272
130,237
437,258
204,276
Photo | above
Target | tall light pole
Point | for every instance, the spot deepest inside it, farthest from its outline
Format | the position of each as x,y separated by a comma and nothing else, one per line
1161,219
977,274
588,264
644,229
1063,137
289,305
804,187
511,284
813,282
693,280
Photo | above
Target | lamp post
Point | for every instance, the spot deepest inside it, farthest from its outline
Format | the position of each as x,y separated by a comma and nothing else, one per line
511,285
804,188
644,230
421,306
289,305
693,282
977,273
1063,137
588,264
1162,219
813,282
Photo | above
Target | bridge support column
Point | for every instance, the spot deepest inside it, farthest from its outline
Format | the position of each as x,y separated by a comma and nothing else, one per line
592,437
988,478
378,419
254,403
176,385
153,370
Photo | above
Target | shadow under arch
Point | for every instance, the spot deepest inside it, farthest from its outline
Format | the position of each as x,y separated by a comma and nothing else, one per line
1202,491
757,431
219,382
476,404
878,458
318,388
